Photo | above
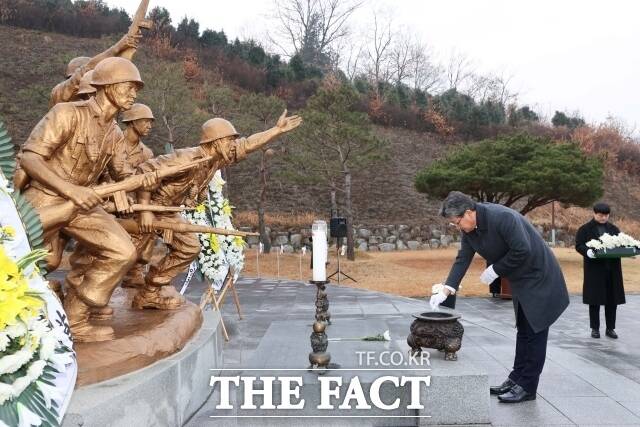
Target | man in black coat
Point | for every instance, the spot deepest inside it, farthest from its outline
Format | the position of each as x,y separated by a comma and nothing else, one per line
603,284
514,249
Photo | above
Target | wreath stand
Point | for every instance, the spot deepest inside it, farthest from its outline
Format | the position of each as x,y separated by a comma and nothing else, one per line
216,299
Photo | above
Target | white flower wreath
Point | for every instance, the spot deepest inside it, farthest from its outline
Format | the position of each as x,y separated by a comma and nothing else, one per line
35,352
217,253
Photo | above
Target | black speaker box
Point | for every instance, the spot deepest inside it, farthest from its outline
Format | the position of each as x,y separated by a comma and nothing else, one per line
338,227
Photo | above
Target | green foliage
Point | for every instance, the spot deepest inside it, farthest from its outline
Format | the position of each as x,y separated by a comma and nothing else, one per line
7,153
517,168
561,119
30,219
334,137
302,70
178,117
188,30
161,21
211,38
522,115
465,114
32,398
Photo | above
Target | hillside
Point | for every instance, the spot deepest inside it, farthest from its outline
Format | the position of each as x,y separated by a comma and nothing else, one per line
33,62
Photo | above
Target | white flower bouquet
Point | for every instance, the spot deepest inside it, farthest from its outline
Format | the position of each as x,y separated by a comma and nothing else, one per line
218,253
618,246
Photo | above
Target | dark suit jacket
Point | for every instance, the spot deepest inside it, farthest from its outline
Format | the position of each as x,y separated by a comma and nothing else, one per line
509,242
600,274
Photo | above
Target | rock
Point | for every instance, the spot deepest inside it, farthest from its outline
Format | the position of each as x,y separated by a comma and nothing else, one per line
373,248
374,240
360,241
403,228
306,232
401,246
281,239
415,231
391,239
253,240
387,247
384,232
405,236
413,245
287,249
425,246
364,233
445,240
296,240
434,243
363,246
436,234
560,243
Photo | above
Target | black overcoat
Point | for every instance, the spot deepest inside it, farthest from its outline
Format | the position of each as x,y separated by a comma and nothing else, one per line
602,283
509,242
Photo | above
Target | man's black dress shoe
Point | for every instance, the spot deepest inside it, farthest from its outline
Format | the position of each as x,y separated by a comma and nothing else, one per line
515,395
595,333
502,388
611,333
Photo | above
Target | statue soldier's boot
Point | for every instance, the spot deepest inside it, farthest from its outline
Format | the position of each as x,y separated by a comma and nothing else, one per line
101,313
150,297
135,277
78,313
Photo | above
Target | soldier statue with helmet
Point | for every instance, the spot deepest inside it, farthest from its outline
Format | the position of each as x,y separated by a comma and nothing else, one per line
65,154
221,143
139,121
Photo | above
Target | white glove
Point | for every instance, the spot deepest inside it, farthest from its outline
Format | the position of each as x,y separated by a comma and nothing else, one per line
488,275
590,253
437,299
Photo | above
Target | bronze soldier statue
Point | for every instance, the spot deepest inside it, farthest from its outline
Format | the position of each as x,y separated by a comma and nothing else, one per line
67,90
85,90
139,120
221,143
65,154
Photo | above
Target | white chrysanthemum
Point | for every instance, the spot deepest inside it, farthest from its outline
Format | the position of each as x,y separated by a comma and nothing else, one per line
12,362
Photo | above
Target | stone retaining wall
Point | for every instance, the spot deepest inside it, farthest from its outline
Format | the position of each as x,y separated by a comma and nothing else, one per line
390,237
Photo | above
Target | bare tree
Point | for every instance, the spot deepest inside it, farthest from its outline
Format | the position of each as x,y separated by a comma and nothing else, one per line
490,87
459,70
402,58
352,61
311,27
378,52
426,74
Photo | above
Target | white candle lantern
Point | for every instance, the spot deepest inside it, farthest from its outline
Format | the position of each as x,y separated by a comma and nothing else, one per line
320,250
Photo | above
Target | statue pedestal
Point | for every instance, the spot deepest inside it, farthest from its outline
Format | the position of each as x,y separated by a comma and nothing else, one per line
142,338
166,393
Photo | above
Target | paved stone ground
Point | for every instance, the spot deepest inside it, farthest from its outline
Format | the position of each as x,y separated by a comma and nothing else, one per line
585,381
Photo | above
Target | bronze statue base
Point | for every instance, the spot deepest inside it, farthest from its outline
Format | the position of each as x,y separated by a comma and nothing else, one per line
142,338
440,330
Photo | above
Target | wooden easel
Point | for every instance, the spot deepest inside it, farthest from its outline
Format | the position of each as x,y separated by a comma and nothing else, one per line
216,300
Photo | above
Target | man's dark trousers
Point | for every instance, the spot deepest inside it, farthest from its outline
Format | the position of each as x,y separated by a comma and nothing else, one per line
531,351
